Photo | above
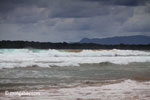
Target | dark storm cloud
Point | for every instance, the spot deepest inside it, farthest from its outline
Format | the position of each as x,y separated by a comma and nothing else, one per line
71,20
121,2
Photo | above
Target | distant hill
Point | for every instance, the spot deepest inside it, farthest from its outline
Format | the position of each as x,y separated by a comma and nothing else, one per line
137,39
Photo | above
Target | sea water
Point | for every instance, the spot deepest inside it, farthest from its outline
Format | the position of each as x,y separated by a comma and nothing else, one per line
12,58
70,70
35,68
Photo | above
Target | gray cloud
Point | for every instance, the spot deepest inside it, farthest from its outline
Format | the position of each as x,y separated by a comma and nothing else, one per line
71,20
120,2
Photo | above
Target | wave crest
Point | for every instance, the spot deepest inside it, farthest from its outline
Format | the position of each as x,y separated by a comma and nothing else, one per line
10,58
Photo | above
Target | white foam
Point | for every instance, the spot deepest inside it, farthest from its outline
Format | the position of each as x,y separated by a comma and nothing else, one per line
126,90
10,58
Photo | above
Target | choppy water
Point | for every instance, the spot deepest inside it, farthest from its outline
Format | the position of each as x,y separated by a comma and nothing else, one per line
35,77
11,58
34,69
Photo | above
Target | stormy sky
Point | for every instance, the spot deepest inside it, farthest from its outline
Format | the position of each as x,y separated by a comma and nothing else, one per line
72,20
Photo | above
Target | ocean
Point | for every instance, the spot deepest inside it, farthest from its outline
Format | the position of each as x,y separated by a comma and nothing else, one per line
75,74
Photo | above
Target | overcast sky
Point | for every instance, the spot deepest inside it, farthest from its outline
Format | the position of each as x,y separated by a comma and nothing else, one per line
72,20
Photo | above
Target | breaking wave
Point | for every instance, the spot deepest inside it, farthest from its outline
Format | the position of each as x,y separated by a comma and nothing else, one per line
10,58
